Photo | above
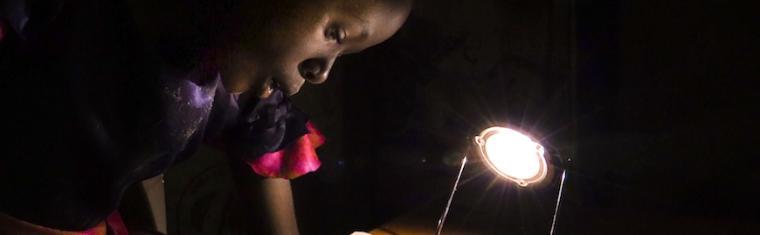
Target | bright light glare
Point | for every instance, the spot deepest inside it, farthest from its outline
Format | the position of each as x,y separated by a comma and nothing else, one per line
513,155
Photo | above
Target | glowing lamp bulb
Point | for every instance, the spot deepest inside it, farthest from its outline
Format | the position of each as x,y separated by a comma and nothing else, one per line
512,155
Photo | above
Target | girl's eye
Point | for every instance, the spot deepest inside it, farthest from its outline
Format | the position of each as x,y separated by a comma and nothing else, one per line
335,33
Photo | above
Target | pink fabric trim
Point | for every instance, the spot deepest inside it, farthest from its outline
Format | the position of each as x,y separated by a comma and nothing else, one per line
116,224
293,161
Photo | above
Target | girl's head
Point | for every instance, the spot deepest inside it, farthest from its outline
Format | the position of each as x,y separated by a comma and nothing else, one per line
285,43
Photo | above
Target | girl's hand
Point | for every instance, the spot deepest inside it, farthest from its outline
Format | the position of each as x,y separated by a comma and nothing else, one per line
266,125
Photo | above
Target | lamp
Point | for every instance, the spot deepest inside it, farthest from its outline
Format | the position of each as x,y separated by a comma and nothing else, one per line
512,155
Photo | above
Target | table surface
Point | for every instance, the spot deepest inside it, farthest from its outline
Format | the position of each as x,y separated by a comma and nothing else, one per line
496,208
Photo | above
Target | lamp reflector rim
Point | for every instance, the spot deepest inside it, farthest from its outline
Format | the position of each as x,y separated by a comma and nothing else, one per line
481,141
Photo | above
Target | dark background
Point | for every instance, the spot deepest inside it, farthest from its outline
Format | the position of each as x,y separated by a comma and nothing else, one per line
653,100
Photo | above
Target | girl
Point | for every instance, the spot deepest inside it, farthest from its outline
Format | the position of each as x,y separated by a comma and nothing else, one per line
103,94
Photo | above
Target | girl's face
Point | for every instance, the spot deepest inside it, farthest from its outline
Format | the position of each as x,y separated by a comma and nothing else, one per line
301,41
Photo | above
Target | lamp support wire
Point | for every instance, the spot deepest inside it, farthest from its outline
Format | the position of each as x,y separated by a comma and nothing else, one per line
559,198
442,220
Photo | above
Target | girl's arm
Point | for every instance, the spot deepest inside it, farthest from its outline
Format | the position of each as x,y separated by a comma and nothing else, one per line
270,142
271,200
277,199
